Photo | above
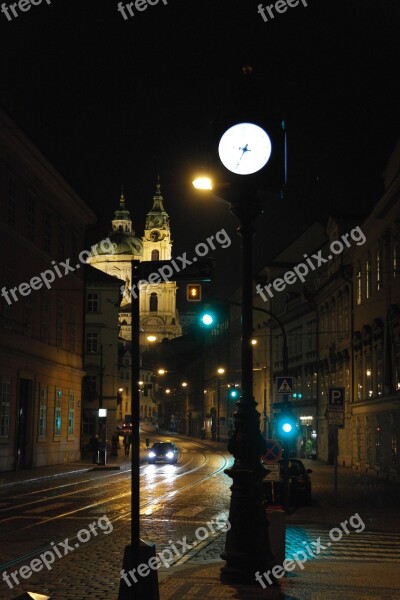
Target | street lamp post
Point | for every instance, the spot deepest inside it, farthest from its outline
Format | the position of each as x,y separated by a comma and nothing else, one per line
247,547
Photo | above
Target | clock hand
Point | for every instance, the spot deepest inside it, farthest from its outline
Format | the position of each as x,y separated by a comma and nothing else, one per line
244,150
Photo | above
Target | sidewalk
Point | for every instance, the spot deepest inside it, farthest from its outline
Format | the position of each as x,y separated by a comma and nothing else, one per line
121,462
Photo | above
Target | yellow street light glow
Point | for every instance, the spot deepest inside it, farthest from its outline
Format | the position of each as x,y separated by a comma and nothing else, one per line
167,391
161,371
184,384
221,371
253,342
120,389
140,382
151,338
202,183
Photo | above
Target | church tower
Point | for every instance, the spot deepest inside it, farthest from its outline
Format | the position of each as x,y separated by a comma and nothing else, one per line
158,314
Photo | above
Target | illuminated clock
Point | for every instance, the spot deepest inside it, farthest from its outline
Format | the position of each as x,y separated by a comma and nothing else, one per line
245,148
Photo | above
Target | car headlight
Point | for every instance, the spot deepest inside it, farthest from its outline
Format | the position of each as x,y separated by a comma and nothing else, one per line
170,454
151,454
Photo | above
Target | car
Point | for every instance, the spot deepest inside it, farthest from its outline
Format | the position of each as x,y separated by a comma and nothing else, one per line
163,451
299,484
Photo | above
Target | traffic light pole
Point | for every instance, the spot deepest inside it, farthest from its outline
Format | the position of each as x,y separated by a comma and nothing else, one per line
138,551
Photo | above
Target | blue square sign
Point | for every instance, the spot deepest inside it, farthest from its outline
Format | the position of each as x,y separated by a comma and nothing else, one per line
336,398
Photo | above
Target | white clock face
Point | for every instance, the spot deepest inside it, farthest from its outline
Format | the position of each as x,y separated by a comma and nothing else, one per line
244,148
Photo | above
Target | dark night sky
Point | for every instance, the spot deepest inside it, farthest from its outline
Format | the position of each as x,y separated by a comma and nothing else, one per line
111,101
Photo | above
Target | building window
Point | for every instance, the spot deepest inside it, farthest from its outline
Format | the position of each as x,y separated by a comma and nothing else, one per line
93,303
72,330
30,216
47,232
367,442
378,445
74,249
359,378
8,309
346,323
378,268
92,343
61,241
396,257
358,440
12,199
358,284
44,319
42,422
153,302
59,322
395,440
91,388
368,277
57,413
340,316
28,315
5,402
155,255
369,390
71,413
379,371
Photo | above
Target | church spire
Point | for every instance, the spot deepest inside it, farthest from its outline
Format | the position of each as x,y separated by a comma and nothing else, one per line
122,218
157,216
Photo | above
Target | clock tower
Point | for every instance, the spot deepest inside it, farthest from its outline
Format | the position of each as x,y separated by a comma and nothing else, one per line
158,314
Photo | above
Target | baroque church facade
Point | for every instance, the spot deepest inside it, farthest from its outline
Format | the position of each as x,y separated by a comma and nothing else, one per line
159,317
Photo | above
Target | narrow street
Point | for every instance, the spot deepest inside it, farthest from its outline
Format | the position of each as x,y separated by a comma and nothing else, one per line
177,500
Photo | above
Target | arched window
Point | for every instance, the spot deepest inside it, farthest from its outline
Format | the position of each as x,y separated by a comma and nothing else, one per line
153,302
155,255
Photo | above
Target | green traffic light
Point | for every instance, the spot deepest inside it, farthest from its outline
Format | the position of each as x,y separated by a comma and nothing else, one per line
207,319
233,394
287,427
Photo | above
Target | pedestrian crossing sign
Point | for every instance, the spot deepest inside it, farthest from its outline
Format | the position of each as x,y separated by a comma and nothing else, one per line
284,385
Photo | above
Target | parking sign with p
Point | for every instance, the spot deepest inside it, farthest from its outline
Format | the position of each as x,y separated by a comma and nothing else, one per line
336,398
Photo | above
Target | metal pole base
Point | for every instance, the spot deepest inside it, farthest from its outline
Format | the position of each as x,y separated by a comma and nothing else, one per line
135,566
247,546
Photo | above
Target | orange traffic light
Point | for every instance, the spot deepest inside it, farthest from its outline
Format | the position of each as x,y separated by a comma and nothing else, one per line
193,292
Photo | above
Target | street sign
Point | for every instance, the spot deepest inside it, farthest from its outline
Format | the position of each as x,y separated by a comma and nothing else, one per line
284,385
274,473
336,418
273,452
336,398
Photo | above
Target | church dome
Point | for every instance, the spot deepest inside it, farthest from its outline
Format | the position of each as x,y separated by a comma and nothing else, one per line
124,243
122,235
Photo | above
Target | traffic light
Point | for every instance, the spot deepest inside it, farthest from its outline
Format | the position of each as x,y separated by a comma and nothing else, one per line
286,423
297,396
193,292
208,318
233,393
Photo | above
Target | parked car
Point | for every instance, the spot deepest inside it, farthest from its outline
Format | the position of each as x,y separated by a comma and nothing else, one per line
163,451
299,484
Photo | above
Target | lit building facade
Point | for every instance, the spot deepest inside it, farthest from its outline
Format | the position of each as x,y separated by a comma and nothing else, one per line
42,224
